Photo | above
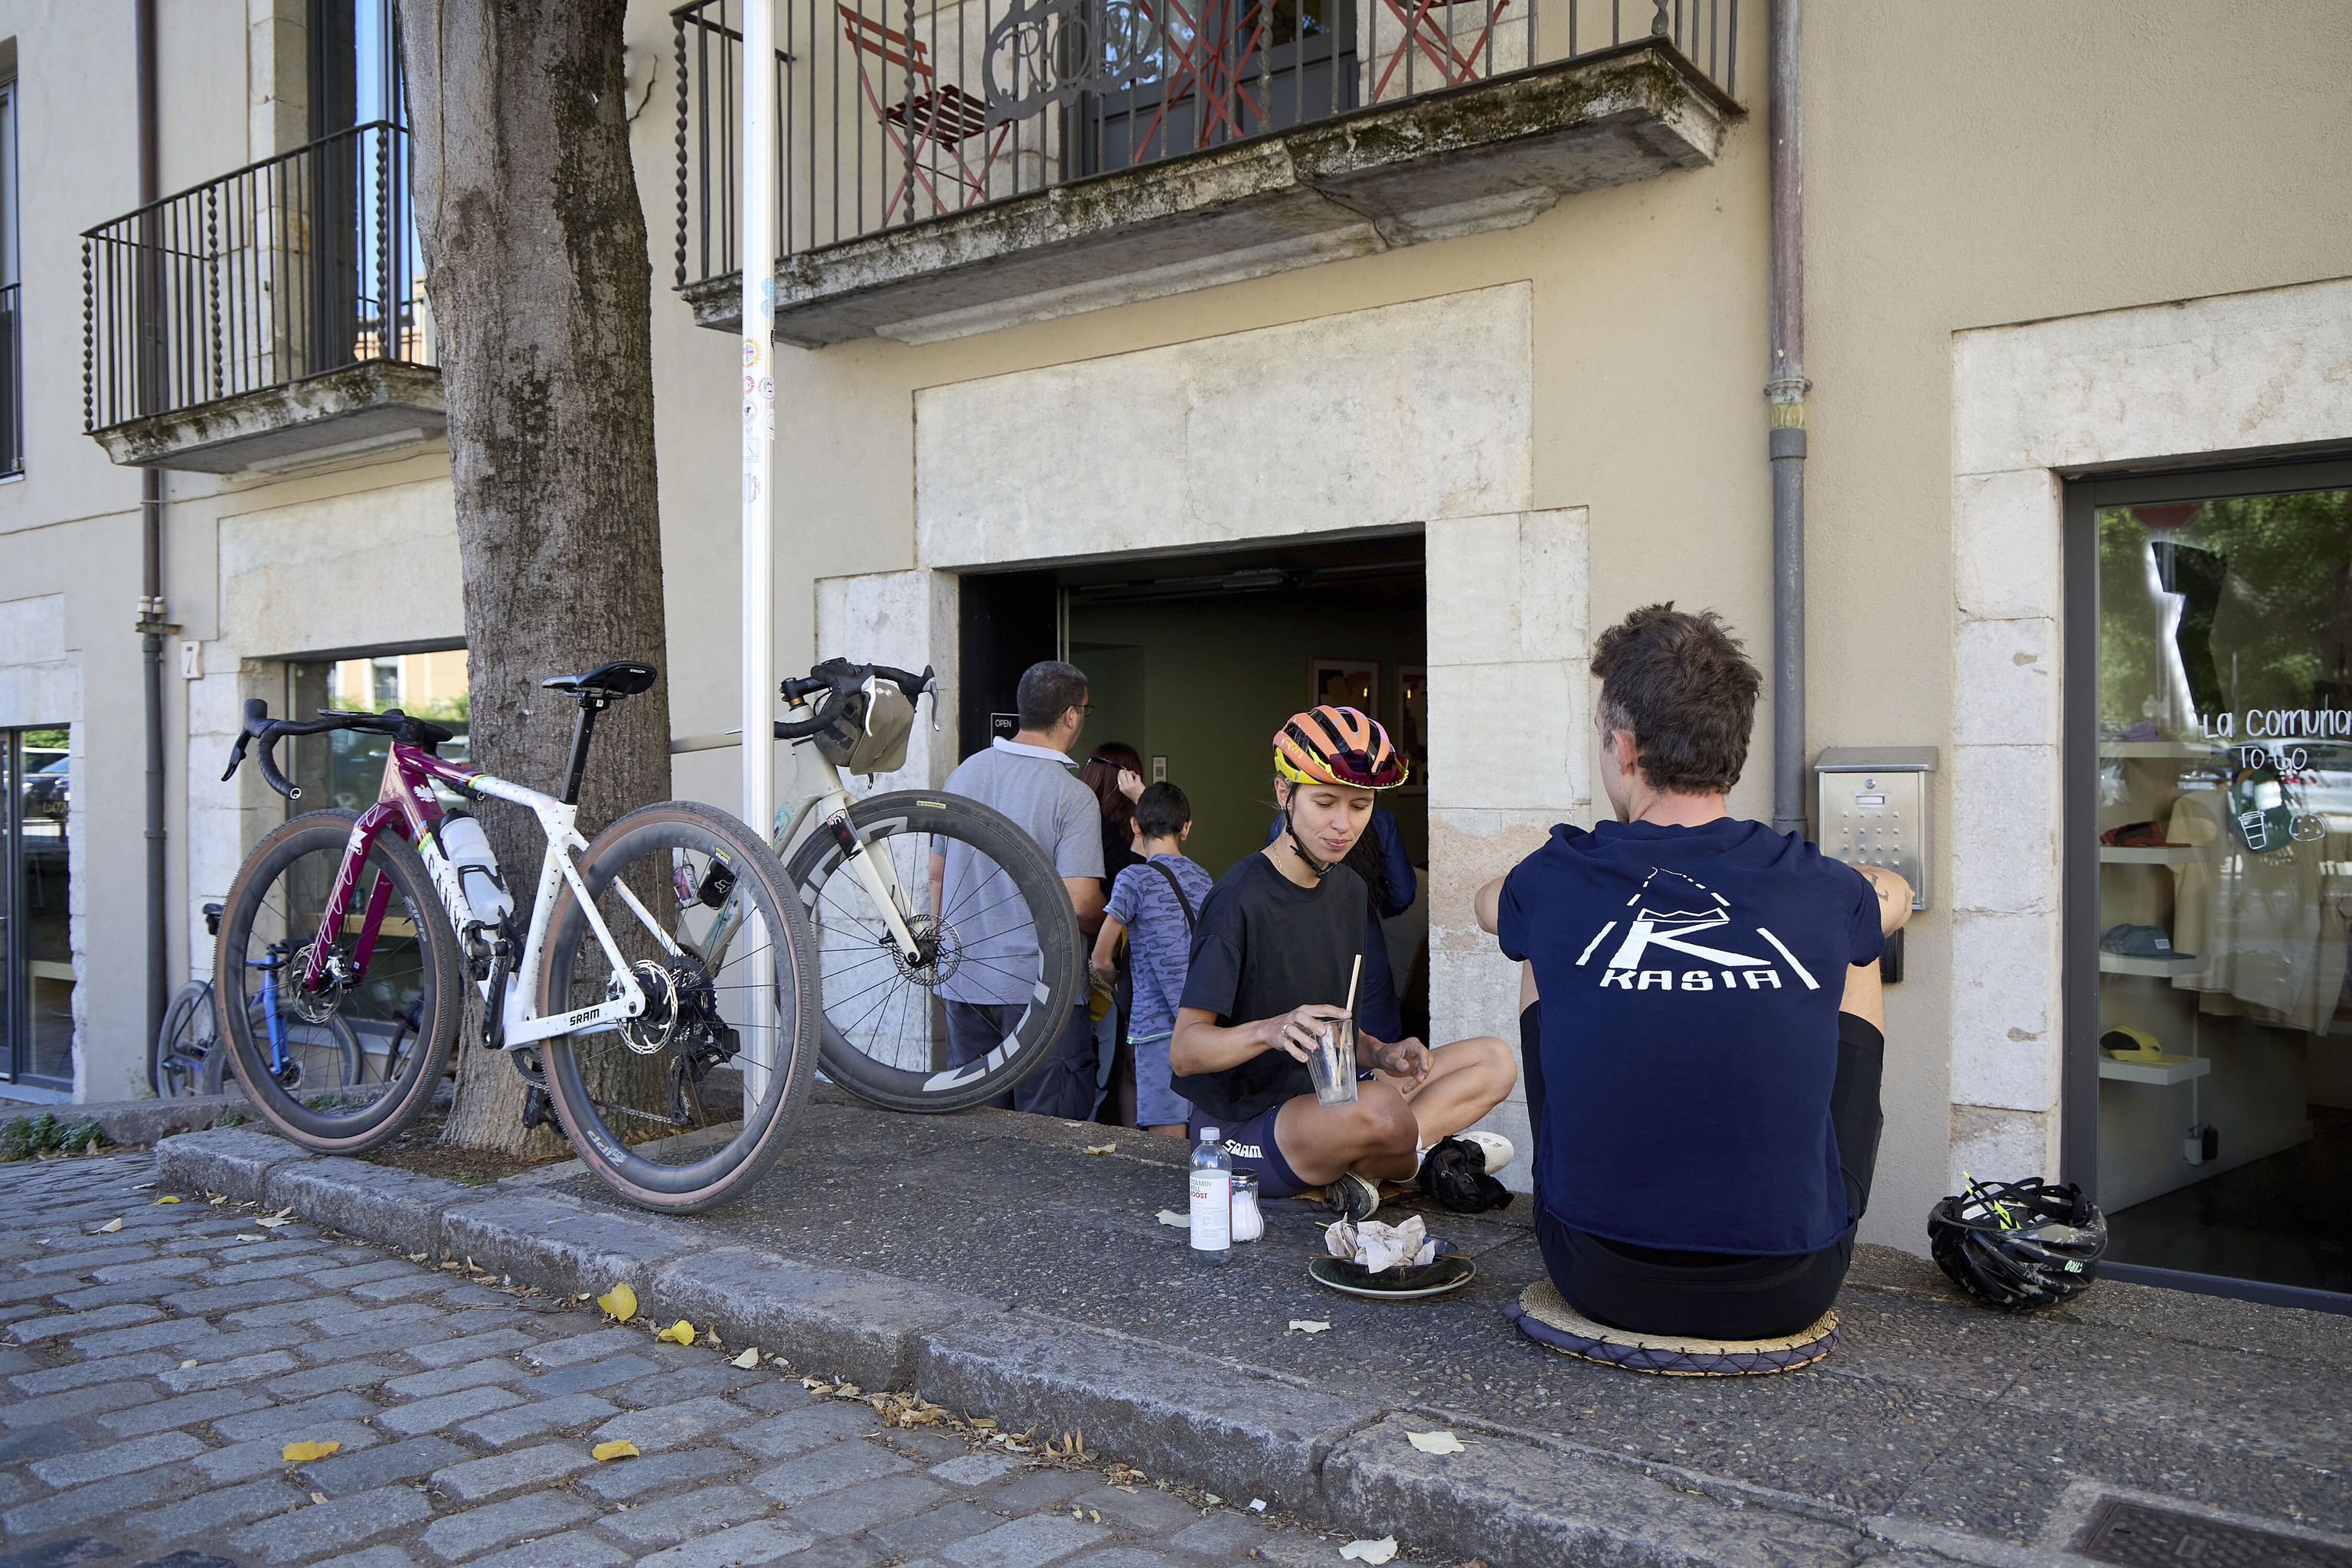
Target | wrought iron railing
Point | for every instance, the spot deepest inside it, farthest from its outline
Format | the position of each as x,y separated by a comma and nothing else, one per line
288,268
895,111
12,380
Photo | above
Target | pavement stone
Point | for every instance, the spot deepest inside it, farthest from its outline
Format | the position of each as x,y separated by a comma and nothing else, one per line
185,1411
501,1428
347,1474
1147,1512
845,1464
341,1521
341,1377
625,1480
471,1347
447,1410
479,1479
213,1511
671,1426
228,1298
689,1382
941,1527
450,1379
592,1374
242,1461
975,1469
169,1331
69,1325
372,1557
1024,1543
243,1368
573,1549
762,1541
54,1379
579,1348
141,1489
676,1518
1221,1535
458,1536
88,1401
798,1431
115,1459
292,1422
858,1508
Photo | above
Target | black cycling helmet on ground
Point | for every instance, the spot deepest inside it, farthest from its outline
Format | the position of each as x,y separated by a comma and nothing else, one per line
2019,1245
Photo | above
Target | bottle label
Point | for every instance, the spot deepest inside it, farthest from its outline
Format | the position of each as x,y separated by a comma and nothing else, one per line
1212,1211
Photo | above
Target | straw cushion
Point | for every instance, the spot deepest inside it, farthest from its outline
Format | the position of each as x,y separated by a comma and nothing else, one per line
1544,1318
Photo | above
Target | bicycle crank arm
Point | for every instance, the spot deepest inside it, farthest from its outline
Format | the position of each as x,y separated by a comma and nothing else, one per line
585,1021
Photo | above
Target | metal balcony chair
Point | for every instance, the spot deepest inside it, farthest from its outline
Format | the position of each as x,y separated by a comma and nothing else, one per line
1428,28
931,116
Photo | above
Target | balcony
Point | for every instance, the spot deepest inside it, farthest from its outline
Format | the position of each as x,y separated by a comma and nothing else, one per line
959,165
271,319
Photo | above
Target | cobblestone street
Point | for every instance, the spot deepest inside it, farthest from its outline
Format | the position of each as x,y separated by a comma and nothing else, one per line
159,1357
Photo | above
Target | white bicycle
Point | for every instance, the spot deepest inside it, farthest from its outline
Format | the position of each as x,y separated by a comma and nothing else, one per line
667,948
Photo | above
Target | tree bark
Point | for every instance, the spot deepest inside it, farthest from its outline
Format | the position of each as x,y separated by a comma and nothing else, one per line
535,249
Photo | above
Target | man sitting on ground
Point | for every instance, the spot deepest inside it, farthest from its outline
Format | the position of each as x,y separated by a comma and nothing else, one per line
1278,937
1701,1018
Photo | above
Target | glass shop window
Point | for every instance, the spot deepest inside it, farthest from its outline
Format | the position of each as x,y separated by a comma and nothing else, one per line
2225,886
346,768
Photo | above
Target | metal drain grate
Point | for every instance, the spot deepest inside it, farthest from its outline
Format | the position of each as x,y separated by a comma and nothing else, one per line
2137,1536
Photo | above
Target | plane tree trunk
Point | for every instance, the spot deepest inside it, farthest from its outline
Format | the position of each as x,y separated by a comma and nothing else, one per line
541,286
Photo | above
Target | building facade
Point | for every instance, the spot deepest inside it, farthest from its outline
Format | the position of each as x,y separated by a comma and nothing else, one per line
1255,352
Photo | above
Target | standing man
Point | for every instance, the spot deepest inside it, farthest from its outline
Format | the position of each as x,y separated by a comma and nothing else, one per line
1701,1019
1030,779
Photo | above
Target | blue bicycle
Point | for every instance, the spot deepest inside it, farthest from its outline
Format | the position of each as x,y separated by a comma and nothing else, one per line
308,1056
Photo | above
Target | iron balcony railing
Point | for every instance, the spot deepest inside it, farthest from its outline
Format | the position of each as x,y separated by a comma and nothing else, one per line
286,269
895,111
12,380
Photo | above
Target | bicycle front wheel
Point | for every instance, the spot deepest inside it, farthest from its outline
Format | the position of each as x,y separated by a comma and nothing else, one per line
1006,937
687,1104
300,1052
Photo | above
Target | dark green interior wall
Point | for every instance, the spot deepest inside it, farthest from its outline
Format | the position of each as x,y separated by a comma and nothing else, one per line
1206,682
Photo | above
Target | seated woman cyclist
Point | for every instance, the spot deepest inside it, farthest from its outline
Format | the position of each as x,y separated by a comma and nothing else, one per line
1277,939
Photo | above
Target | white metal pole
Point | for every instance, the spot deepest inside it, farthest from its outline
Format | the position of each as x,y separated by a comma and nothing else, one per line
758,258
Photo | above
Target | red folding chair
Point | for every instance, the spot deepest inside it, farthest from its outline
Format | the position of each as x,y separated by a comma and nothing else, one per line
1209,67
1425,29
931,116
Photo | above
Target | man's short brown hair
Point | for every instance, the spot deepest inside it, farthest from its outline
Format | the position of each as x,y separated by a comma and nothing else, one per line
1681,684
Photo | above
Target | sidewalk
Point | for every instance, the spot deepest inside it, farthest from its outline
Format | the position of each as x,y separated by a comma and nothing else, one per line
985,1261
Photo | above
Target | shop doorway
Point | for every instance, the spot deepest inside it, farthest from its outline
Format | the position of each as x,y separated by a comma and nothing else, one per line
36,976
1194,660
2210,877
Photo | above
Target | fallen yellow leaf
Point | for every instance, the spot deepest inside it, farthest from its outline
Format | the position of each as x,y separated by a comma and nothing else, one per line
272,1222
679,1333
1438,1442
167,1198
748,1358
303,1453
1100,1148
621,1449
1306,1326
110,1226
621,1302
1378,1550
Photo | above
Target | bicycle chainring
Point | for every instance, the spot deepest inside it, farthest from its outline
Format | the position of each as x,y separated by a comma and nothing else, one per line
526,1061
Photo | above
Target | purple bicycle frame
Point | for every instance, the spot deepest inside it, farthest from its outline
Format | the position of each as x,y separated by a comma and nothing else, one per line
405,802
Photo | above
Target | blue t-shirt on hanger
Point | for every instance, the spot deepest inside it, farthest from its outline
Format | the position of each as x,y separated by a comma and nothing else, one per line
1690,981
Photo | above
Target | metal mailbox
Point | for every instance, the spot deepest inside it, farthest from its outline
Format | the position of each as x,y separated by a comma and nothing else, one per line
1870,808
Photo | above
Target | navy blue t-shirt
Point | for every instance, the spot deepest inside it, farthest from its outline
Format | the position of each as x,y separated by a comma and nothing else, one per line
1690,979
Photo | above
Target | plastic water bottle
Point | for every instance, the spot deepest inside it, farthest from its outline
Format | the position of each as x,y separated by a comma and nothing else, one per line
474,868
1213,1199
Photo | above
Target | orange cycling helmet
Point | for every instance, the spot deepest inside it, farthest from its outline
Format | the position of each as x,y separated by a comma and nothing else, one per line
1336,746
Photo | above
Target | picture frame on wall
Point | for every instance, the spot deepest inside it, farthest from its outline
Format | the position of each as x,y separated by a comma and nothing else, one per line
1344,683
1411,731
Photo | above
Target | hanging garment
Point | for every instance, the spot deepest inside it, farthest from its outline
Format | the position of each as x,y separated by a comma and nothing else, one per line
2270,927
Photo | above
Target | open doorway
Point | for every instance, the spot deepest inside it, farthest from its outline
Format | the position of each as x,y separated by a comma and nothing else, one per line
1195,660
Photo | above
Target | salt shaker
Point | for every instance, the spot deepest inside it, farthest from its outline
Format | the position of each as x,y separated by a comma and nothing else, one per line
1248,1223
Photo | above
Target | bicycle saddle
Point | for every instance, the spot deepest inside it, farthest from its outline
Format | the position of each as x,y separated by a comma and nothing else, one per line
622,678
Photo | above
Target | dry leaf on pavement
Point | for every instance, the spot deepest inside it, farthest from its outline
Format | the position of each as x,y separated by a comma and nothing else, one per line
166,1198
303,1453
620,1450
620,1301
748,1360
1378,1550
110,1226
679,1333
1439,1442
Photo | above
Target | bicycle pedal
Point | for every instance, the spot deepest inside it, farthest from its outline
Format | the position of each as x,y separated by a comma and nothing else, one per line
537,1111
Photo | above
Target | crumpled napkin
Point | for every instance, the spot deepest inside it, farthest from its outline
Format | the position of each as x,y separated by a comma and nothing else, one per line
1378,1246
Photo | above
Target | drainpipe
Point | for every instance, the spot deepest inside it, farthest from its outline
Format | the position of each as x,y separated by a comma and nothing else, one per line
1785,395
152,625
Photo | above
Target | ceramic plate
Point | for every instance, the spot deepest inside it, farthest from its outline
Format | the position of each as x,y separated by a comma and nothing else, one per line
1450,1272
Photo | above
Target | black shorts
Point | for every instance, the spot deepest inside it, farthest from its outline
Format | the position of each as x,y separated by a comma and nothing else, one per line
1251,1148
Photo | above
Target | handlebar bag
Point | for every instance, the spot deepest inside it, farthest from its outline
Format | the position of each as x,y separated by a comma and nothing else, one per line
871,737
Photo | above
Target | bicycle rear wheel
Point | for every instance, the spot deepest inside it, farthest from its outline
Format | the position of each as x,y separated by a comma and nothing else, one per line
688,1104
1006,935
310,1083
184,1047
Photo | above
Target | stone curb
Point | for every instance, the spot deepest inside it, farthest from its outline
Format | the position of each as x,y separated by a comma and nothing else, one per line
1183,1416
137,1122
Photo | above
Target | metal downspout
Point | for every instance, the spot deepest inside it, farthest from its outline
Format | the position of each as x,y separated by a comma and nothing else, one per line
151,520
1785,394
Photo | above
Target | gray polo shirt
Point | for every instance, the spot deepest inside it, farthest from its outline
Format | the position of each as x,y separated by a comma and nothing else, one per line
1040,791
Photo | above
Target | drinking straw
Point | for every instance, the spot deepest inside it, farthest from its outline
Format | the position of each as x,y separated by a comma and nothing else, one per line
1352,975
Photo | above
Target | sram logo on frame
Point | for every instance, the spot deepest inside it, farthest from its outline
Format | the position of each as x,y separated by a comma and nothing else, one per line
586,1015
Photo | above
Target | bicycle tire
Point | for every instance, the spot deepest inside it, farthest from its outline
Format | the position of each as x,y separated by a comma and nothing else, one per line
325,833
734,1168
187,1019
345,1040
937,1090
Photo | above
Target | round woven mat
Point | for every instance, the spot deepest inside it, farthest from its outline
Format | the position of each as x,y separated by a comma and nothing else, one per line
1544,1318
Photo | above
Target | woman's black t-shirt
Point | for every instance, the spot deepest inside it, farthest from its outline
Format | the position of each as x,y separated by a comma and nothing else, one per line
1265,946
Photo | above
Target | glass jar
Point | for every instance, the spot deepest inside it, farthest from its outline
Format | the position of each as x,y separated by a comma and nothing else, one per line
1248,1223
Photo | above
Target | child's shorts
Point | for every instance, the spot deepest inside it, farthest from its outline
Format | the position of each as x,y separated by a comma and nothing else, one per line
1156,1104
